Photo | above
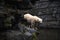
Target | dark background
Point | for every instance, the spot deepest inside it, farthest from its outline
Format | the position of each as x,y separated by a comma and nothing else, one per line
48,10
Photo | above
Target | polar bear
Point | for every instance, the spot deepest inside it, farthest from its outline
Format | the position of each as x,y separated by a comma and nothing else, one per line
32,19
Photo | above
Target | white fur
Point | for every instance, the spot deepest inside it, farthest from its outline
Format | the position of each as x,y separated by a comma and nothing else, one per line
28,17
32,19
37,19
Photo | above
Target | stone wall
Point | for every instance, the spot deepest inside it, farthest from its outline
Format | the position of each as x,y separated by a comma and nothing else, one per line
48,11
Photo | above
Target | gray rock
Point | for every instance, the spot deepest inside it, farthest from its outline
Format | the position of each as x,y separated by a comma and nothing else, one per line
31,30
28,34
57,17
